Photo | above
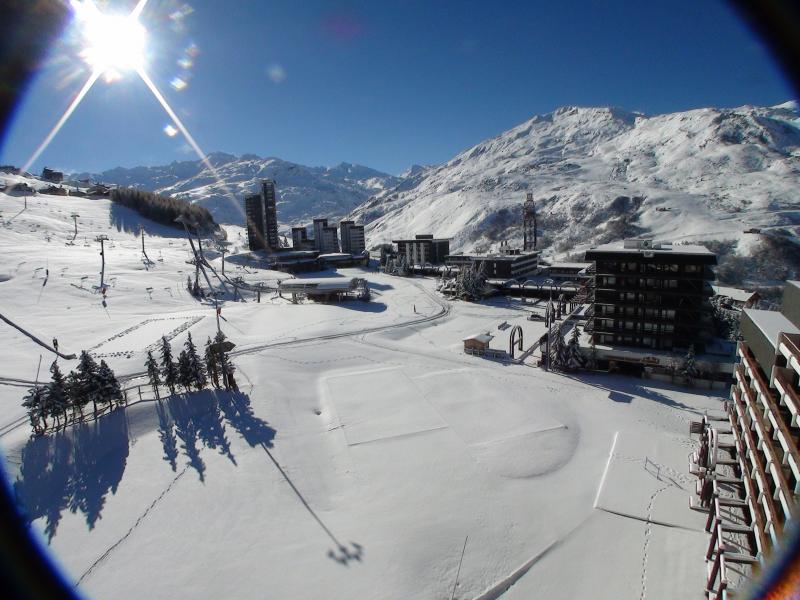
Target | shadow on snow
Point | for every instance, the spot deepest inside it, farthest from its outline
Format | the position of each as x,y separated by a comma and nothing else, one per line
76,469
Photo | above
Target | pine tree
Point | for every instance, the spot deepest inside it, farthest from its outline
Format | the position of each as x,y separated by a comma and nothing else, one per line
34,402
88,385
76,398
57,396
558,349
109,388
189,284
197,371
575,358
225,365
689,368
184,371
168,368
212,362
153,372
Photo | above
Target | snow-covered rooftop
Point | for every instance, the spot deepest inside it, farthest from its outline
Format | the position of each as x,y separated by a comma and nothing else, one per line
320,283
483,338
736,294
570,265
771,323
694,249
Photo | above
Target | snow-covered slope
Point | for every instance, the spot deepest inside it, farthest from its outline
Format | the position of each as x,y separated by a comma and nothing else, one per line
365,455
304,192
599,174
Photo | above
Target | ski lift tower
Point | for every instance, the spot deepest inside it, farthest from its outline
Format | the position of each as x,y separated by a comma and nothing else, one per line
75,220
222,246
102,238
529,223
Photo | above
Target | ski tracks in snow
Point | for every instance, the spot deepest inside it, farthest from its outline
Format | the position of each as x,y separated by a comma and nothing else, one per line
116,545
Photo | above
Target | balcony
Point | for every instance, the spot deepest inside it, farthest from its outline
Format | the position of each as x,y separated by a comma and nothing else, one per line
765,406
789,347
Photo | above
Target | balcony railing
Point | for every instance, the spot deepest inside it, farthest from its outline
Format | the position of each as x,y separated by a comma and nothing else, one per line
789,346
775,462
789,396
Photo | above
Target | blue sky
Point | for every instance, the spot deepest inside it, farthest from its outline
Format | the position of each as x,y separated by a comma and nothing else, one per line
386,83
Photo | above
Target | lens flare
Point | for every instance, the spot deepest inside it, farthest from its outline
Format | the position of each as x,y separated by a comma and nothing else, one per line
111,43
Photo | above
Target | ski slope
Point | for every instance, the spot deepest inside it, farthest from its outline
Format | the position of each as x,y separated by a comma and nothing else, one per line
363,449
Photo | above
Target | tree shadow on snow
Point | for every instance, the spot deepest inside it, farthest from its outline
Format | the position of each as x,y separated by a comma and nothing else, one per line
75,469
624,389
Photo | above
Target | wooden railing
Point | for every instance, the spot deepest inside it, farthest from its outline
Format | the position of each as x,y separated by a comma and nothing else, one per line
791,455
756,514
792,343
789,396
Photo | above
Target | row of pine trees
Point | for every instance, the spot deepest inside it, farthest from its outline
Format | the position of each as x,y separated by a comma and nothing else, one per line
65,400
163,209
191,371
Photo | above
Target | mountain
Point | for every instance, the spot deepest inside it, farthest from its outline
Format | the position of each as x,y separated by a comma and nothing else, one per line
601,174
303,192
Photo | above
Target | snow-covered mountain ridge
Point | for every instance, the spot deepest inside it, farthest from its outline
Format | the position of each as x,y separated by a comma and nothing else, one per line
304,192
600,174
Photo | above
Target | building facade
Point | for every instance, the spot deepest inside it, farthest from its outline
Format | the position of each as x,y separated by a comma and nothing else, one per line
344,234
748,465
423,249
262,218
329,240
358,241
318,225
512,264
300,239
351,237
651,295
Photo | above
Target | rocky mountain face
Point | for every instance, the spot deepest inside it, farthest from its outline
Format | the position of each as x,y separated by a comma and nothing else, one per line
601,174
304,192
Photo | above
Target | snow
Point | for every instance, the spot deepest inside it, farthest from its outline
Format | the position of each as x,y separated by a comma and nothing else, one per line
733,293
362,450
771,323
601,174
303,192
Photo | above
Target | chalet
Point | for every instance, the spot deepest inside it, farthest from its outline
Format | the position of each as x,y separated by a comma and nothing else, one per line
52,175
55,190
477,343
736,298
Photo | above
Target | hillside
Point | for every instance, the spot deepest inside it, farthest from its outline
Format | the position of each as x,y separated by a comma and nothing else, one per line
304,192
600,174
360,455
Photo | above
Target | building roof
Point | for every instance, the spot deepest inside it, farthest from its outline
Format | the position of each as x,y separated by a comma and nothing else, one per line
661,248
771,323
327,284
483,338
735,294
422,240
507,257
336,256
570,265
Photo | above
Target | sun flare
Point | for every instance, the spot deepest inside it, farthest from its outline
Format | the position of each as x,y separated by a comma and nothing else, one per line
111,43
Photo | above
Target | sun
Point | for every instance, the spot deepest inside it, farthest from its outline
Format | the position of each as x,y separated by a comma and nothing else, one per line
111,43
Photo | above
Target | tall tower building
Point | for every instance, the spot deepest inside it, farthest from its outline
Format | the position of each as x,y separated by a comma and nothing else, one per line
262,218
529,224
319,225
357,240
344,234
270,213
